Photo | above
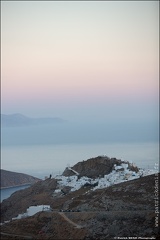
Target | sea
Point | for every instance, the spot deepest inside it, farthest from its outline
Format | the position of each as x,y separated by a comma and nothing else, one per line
7,192
43,151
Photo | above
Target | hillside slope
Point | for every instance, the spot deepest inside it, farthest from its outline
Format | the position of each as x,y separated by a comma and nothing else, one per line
11,179
95,167
122,210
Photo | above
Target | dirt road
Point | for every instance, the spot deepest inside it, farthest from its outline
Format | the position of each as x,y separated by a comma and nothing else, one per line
70,221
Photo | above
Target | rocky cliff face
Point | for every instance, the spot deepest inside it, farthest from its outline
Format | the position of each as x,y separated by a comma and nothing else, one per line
11,179
95,167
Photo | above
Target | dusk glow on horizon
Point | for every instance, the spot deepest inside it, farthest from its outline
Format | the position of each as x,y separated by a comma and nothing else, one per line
88,56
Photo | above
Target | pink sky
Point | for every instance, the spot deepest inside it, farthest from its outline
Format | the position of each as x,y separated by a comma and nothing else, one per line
55,55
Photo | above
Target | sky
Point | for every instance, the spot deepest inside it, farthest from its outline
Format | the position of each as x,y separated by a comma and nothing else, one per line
79,60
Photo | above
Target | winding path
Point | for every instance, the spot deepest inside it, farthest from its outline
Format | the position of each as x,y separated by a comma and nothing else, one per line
73,171
70,221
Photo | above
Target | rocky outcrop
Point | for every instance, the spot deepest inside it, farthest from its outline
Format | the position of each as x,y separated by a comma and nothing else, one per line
95,167
11,179
65,189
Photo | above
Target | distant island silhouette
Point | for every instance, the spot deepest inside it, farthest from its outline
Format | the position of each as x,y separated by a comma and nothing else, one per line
18,120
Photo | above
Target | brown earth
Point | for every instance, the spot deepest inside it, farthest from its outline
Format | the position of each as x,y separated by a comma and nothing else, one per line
122,210
95,167
44,225
11,179
18,202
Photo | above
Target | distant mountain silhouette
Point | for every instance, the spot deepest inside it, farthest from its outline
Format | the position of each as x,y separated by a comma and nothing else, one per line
11,179
17,120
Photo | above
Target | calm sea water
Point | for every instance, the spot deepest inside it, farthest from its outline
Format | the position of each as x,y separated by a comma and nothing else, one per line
41,151
5,193
41,160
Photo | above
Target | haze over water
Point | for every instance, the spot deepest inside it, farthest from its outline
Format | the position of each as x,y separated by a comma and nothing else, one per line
42,150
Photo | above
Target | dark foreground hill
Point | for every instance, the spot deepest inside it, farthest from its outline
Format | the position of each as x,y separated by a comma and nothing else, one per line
11,179
123,210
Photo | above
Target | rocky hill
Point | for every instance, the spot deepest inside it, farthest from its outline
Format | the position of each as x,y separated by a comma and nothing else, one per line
81,210
11,179
18,202
122,210
95,167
